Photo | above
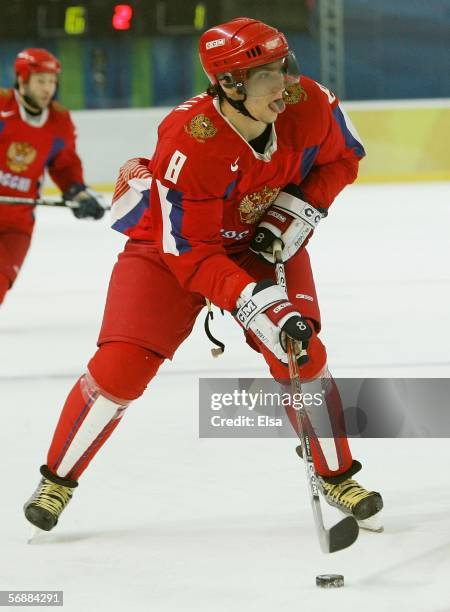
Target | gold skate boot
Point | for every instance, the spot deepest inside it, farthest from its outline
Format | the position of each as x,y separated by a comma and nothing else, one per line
52,495
351,498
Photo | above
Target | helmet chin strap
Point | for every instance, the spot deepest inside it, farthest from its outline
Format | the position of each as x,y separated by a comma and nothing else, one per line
30,105
239,105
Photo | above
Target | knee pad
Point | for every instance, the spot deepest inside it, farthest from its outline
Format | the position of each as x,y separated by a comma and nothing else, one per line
123,370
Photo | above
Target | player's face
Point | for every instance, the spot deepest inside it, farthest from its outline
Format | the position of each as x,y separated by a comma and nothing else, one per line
41,88
264,87
266,108
267,79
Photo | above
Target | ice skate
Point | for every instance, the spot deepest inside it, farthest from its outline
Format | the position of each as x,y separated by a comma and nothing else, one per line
52,495
351,498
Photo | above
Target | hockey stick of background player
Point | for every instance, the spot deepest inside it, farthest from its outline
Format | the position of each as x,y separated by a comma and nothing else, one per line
344,533
40,202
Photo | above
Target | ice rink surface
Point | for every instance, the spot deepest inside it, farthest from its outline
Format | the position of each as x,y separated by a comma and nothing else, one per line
164,521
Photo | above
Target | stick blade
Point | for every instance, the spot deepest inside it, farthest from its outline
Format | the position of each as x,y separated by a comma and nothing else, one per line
343,534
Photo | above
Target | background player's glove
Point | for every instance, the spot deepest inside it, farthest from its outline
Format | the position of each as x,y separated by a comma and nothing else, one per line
264,309
291,220
88,202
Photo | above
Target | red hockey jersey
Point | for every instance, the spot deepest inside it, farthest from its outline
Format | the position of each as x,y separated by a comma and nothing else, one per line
26,149
209,187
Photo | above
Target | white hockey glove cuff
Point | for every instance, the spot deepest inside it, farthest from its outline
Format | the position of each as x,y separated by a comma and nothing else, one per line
264,309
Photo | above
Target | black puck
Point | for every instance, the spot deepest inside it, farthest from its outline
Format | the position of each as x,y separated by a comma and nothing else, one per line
330,581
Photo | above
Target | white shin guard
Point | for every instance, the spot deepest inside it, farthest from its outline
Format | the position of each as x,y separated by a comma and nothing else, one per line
98,415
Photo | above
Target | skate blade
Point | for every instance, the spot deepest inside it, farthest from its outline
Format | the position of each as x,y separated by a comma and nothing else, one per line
34,535
373,523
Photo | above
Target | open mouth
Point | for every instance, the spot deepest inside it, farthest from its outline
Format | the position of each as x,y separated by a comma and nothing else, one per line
277,106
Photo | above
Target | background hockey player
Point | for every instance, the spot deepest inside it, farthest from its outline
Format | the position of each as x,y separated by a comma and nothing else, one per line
263,154
35,133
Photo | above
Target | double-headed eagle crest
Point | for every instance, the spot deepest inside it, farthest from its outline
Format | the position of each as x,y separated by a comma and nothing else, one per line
19,156
254,205
294,94
200,127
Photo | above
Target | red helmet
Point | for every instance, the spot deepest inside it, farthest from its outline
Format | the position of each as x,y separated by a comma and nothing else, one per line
240,44
35,60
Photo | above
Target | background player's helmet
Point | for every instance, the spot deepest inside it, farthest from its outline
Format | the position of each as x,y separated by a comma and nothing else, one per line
235,47
29,61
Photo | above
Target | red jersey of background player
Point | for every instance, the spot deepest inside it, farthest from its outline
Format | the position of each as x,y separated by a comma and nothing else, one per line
35,133
27,149
203,170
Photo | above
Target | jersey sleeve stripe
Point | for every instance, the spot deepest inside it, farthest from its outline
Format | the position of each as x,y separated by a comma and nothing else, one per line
352,138
308,157
130,219
130,201
57,146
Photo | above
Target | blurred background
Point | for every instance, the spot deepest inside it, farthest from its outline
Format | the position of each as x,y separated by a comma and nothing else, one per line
143,54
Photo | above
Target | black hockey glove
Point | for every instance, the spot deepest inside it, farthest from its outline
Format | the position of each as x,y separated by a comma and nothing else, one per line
289,219
86,202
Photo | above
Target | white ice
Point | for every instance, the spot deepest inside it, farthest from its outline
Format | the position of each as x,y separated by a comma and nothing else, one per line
165,521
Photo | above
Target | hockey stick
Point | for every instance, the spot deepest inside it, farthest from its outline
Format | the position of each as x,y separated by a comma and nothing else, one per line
33,201
345,532
40,202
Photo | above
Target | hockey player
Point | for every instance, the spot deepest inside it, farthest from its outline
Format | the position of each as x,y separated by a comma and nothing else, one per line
261,155
35,133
